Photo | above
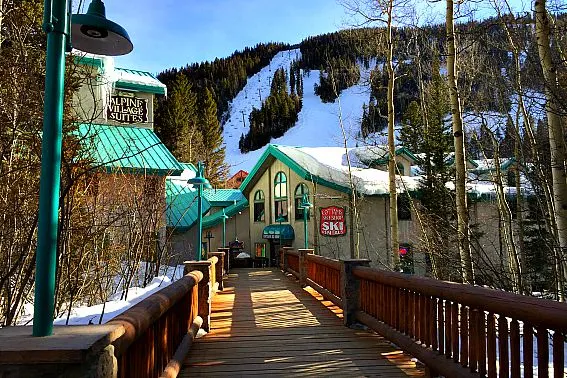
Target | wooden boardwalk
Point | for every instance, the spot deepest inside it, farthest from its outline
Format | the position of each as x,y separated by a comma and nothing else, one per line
265,324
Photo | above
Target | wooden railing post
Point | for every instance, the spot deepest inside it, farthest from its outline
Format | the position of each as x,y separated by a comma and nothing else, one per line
303,266
350,289
205,290
219,268
226,257
284,258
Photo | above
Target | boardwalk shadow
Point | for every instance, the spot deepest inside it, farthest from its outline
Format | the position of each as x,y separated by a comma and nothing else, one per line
264,323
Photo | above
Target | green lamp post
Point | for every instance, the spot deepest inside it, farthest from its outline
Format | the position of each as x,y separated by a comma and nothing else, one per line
224,218
92,33
199,181
305,204
280,219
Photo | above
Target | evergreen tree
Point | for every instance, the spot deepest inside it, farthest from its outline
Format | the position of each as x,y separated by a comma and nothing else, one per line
177,121
213,154
411,132
509,140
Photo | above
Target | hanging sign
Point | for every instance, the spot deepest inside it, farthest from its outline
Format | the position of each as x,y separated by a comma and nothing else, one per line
127,109
332,221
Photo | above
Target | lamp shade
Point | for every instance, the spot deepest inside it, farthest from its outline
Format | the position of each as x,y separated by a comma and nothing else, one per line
199,181
94,33
305,202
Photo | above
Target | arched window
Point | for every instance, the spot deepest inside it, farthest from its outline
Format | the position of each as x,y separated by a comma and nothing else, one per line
280,196
300,190
259,206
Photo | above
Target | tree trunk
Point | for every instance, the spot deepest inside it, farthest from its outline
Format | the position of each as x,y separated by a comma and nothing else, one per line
556,140
394,237
460,168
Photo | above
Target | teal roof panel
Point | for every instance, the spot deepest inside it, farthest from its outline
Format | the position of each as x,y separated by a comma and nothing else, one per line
128,149
181,202
223,197
216,218
141,81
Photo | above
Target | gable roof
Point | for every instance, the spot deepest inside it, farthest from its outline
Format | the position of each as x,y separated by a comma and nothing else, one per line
127,149
325,166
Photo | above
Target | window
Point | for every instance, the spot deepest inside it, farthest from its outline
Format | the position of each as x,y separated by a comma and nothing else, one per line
400,169
259,206
300,190
280,196
404,207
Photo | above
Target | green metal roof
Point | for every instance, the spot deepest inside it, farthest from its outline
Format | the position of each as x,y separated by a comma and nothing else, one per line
223,197
128,149
141,81
216,218
181,201
277,231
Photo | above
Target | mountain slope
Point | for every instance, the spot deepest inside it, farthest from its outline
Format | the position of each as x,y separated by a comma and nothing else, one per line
318,123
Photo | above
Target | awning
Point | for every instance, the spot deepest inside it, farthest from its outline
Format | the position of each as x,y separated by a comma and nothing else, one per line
274,231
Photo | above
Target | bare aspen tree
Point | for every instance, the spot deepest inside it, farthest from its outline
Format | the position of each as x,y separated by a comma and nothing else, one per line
383,11
556,138
459,141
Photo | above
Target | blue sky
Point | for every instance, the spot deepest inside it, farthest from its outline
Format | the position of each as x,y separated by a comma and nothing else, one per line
172,33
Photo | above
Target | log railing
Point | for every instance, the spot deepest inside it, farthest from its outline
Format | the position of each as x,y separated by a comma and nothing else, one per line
457,330
150,339
156,327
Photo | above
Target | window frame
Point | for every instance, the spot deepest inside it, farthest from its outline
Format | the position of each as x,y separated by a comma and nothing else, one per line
281,201
259,198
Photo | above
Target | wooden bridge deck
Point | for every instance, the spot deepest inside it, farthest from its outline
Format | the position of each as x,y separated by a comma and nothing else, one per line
264,323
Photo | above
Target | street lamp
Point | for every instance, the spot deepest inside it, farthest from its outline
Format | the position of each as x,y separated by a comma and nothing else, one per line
209,236
94,34
305,204
280,219
199,181
224,218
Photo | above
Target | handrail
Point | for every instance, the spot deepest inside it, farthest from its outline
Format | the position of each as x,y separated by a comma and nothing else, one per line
331,263
155,328
457,330
536,311
465,323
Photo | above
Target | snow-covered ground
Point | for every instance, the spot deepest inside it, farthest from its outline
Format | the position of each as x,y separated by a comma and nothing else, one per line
318,123
84,315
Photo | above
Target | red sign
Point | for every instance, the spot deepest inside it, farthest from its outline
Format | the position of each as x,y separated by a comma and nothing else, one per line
333,221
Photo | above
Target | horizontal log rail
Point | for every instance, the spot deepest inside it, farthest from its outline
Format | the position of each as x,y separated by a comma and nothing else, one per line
457,330
155,327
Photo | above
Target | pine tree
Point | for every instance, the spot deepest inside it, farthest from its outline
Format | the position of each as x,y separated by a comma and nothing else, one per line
509,140
411,133
177,121
213,154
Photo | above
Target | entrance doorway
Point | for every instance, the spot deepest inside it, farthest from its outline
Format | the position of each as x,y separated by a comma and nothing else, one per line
275,251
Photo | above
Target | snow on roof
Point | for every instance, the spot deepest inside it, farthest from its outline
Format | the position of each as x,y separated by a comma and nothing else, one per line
329,163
